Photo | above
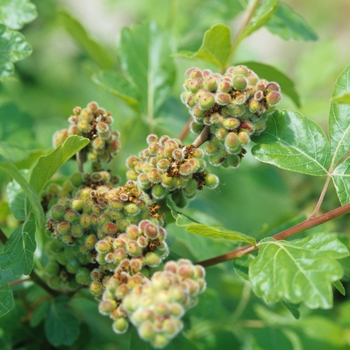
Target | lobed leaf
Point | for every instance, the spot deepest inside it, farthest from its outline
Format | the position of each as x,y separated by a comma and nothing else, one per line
341,181
118,86
61,325
207,231
13,47
17,201
145,54
261,16
16,13
272,74
298,271
287,24
293,142
96,51
47,165
216,46
32,196
39,313
6,299
19,249
339,116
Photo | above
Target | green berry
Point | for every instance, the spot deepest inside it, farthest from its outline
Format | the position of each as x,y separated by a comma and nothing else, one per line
57,212
207,101
239,82
211,181
232,144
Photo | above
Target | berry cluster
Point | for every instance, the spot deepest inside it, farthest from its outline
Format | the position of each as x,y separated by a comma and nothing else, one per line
234,106
95,124
156,306
166,166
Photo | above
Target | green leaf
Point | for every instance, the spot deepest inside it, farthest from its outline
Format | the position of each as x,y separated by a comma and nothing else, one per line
261,16
13,47
293,308
145,54
287,24
207,231
6,299
293,142
339,126
216,46
39,313
298,271
17,201
47,165
341,181
19,249
118,86
61,325
339,287
33,198
344,98
97,52
270,73
16,13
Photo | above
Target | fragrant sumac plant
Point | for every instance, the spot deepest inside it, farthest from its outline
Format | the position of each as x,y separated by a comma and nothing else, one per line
120,227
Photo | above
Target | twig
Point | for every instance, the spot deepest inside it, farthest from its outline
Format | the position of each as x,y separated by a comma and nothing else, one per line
35,278
246,21
320,200
185,130
80,160
202,137
14,283
305,225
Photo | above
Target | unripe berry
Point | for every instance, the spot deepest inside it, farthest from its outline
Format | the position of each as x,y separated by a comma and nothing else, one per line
63,227
207,101
239,82
131,209
120,325
57,212
77,204
243,137
133,248
231,123
105,307
193,73
239,70
152,259
82,276
158,192
146,330
273,97
223,98
52,268
71,216
232,144
211,181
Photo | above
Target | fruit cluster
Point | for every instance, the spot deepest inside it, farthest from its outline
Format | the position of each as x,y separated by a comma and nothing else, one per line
95,124
156,306
166,166
234,106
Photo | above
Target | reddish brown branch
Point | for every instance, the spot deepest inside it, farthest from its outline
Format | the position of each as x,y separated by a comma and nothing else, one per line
305,225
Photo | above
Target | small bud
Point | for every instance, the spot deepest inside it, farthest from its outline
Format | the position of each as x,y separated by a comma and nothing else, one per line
273,97
231,123
82,276
152,259
57,212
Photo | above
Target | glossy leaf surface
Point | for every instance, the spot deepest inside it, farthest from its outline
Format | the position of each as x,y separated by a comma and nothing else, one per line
19,249
299,270
293,142
32,196
341,181
16,13
13,47
289,25
339,125
47,165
